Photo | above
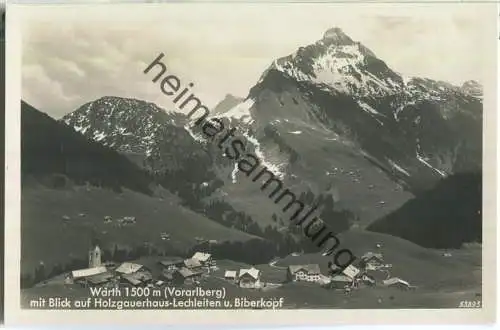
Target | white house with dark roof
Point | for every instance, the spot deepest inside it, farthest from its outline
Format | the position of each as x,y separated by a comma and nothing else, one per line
204,258
249,278
351,271
193,264
87,272
308,273
172,263
128,268
185,276
372,261
340,281
231,275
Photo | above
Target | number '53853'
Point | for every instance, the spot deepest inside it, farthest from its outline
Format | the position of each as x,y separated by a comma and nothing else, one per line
470,304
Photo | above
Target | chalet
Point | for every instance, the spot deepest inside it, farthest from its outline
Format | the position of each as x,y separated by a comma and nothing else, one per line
81,275
372,261
396,282
128,268
139,278
193,264
351,271
204,258
87,272
249,278
99,279
172,264
231,275
308,273
185,276
340,281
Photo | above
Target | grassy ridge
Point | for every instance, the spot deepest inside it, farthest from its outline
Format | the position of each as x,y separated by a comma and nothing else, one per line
45,236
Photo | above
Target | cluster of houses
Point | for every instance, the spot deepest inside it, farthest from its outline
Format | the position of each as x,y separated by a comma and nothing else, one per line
168,271
369,270
248,278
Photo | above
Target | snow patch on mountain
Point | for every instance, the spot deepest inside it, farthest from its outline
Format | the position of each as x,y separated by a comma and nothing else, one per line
99,136
424,161
398,168
240,112
234,172
258,152
198,137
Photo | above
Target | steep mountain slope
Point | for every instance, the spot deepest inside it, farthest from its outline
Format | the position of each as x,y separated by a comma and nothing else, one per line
70,184
49,147
228,103
444,217
331,120
418,130
336,116
183,162
153,137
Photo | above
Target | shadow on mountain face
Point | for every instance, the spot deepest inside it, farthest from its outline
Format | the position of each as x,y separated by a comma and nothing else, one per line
52,149
446,216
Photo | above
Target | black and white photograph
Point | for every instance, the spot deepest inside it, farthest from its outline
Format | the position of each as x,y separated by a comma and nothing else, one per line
254,157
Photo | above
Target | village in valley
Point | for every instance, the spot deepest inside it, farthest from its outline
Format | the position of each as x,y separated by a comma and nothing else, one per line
369,270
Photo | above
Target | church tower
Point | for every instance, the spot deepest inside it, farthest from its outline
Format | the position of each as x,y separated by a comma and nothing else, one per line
95,257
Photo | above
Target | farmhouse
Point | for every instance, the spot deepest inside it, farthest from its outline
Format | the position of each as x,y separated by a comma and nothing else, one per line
128,268
204,258
82,276
308,273
172,263
193,264
340,281
185,276
249,278
99,279
372,261
87,272
139,278
231,275
351,272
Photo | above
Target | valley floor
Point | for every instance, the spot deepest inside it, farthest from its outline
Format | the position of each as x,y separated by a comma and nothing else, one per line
65,220
443,293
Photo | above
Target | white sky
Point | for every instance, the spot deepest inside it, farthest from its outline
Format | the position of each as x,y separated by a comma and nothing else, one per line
75,54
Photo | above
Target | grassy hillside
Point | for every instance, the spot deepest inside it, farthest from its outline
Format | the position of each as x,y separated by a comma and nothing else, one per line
422,267
442,282
446,216
47,237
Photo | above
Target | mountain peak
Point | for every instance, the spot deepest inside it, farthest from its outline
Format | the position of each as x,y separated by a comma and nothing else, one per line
337,35
473,88
229,102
